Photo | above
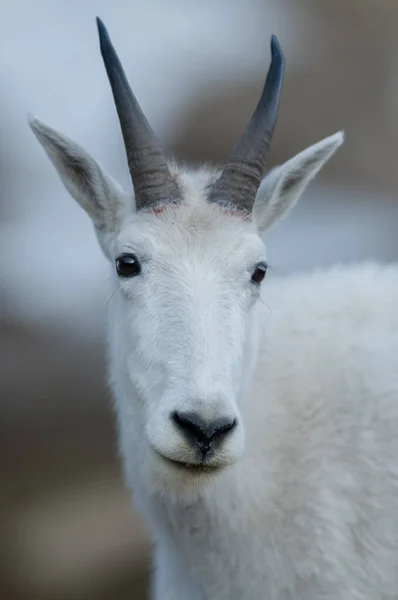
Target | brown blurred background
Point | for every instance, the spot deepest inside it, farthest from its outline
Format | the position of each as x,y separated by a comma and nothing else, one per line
67,530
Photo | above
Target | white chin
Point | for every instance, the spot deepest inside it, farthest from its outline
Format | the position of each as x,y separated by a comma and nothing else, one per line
180,483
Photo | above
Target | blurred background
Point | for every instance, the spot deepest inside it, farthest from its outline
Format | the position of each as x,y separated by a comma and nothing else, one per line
67,530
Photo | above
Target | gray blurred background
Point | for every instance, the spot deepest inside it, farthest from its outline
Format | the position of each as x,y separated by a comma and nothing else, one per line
67,531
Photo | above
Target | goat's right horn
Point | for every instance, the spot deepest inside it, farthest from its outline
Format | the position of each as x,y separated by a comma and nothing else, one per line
149,172
239,182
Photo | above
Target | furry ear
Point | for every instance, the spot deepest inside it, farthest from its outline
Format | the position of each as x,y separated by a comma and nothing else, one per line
282,187
100,196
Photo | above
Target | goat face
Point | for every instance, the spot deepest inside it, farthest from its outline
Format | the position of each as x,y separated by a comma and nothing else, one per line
188,280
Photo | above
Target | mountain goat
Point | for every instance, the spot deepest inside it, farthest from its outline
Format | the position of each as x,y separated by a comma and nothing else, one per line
258,418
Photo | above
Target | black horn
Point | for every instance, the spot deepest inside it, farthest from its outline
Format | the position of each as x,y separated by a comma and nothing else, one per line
149,172
241,178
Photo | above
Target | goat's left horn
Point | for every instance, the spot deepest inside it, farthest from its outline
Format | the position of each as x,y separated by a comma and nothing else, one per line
149,172
241,178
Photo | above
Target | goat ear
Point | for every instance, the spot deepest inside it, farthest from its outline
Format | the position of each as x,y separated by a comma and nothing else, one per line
100,196
282,187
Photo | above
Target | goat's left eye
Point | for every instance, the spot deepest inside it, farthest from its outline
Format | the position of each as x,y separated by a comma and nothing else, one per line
259,273
127,265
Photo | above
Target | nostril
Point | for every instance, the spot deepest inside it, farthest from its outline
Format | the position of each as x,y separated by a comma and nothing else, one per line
189,422
225,428
200,430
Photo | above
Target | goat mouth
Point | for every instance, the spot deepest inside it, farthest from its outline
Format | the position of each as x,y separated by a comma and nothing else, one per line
202,467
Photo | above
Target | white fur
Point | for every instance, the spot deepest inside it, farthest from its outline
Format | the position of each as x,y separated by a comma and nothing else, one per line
304,504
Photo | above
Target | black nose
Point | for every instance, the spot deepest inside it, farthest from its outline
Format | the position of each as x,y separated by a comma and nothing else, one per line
201,433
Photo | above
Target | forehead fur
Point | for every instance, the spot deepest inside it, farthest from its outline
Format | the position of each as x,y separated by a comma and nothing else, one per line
195,218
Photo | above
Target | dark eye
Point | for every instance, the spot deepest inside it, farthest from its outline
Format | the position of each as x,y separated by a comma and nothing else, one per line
259,273
127,265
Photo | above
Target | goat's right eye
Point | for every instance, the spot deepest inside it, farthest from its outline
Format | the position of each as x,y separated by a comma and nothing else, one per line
127,265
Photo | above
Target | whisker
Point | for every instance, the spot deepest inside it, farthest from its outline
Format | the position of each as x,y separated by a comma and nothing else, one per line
112,295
